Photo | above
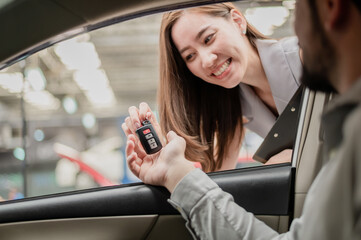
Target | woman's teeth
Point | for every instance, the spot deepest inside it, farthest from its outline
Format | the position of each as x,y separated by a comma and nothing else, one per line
222,68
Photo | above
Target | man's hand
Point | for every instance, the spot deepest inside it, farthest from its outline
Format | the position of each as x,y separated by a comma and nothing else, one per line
165,168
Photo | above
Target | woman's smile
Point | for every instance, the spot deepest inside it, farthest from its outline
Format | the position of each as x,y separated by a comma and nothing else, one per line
223,70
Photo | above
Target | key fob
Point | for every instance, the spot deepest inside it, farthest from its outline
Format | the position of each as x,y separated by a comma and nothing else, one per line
149,138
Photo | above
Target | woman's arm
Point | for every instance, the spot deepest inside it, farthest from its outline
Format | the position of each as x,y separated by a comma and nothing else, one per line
231,160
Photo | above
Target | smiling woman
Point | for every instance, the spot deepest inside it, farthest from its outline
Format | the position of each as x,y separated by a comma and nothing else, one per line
219,76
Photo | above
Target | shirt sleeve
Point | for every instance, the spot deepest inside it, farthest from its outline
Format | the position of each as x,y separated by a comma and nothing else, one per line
211,213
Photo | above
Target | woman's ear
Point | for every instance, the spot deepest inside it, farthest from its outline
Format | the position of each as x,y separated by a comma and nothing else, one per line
239,19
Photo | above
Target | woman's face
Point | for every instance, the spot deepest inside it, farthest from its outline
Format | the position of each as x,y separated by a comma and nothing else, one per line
213,48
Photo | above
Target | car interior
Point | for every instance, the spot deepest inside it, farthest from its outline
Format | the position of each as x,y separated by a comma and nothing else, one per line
128,209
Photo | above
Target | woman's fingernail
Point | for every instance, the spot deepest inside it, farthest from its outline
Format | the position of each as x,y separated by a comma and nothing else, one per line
137,125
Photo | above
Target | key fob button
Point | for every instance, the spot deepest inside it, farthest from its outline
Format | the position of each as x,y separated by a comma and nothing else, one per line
148,136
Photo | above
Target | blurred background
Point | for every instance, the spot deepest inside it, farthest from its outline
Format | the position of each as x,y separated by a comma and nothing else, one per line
61,109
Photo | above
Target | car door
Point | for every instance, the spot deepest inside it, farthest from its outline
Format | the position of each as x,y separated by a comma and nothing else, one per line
274,193
138,211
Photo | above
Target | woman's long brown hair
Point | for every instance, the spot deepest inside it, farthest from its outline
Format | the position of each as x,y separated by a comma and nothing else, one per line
205,115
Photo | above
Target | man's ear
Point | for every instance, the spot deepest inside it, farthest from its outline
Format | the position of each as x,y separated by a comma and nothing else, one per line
239,19
334,13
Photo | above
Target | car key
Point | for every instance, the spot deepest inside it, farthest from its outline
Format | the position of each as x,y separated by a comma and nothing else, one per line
149,138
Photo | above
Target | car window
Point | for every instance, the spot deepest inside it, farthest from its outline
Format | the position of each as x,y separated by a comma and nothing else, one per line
62,108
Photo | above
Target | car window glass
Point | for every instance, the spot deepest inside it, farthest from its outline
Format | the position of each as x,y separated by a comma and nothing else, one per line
62,108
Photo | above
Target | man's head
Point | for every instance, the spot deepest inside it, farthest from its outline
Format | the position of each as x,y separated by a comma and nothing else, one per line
325,28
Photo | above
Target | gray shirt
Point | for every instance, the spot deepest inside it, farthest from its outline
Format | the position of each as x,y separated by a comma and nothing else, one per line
332,208
282,65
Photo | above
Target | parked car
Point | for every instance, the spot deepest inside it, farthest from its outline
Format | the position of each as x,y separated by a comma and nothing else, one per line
274,193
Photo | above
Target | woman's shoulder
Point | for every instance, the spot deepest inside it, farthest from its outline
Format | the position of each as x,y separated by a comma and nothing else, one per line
289,44
286,44
281,51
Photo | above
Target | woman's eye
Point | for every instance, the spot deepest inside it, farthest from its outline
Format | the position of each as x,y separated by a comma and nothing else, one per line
208,38
189,57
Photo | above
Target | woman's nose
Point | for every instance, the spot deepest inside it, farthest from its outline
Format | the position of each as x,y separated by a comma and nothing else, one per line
208,59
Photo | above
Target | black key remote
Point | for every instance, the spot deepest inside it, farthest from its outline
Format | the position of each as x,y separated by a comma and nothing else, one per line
149,138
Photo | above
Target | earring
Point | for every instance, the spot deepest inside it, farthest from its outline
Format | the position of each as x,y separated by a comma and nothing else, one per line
245,29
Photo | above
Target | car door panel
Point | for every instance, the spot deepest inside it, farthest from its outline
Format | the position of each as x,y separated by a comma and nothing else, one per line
130,227
261,190
148,227
265,191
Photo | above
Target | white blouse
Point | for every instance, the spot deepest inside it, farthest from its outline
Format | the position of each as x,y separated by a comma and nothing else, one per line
283,68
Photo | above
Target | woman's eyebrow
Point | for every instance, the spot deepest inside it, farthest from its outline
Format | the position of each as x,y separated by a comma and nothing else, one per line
199,35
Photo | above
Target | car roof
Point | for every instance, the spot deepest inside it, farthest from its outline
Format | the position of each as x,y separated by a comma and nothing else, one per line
30,25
